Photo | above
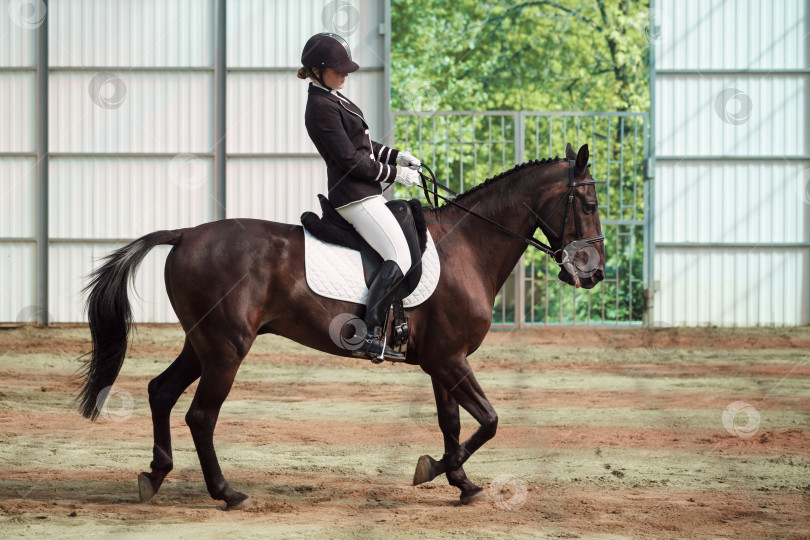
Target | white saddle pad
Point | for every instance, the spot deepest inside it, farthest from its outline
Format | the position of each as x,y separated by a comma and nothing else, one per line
337,272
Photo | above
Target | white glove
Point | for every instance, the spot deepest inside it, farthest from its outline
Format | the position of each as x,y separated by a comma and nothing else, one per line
407,160
407,176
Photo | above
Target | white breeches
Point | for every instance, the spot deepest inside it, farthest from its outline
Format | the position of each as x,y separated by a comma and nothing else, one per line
378,226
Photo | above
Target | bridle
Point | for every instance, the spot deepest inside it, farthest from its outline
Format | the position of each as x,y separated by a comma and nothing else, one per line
564,256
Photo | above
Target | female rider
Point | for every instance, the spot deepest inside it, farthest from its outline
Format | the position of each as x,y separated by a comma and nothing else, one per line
356,166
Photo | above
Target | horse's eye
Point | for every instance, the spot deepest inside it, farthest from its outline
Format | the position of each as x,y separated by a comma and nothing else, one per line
589,208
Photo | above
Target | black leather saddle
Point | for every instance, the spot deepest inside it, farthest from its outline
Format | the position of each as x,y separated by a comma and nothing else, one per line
333,229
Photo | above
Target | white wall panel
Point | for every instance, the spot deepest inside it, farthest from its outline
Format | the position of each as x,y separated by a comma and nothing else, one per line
733,287
266,110
732,34
734,201
713,204
688,121
266,113
127,197
17,259
18,294
18,33
72,262
276,189
131,33
17,192
273,34
17,111
159,112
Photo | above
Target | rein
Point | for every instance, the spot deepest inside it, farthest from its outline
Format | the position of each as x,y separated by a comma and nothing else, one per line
567,252
432,179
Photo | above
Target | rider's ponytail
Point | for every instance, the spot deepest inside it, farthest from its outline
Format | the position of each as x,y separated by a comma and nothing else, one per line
303,73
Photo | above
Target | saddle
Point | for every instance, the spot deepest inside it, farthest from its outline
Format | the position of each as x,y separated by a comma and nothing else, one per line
333,229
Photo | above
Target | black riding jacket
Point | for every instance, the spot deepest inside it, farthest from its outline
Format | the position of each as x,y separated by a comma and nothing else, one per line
355,165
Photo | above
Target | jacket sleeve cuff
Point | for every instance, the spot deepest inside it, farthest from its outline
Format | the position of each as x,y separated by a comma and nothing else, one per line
385,154
387,172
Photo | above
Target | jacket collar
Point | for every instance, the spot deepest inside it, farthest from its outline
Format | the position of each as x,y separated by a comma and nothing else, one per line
318,91
314,88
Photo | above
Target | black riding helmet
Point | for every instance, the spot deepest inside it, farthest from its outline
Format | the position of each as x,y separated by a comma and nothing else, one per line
328,50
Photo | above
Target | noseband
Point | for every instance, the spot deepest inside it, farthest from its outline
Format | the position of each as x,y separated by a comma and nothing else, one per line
564,256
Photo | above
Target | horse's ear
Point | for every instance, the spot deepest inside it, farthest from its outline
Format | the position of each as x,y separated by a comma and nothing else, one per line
569,152
582,158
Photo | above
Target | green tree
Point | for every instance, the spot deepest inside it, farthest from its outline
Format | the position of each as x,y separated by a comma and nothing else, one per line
513,55
533,55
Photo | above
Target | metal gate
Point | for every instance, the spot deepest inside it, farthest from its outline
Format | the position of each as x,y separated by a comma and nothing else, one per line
464,148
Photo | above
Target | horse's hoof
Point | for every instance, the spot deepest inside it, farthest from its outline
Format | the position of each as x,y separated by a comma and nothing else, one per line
242,504
145,487
425,470
474,497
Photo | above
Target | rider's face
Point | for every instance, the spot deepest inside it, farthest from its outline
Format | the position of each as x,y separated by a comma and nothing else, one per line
334,79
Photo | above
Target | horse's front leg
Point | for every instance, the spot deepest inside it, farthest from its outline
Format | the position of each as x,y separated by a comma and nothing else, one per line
456,376
450,424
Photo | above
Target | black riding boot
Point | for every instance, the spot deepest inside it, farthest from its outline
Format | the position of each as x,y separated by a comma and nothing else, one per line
380,297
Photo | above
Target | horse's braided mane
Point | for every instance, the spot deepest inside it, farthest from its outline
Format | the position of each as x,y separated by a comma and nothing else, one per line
500,176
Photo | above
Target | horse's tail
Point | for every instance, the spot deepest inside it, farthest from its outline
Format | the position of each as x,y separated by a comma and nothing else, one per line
110,317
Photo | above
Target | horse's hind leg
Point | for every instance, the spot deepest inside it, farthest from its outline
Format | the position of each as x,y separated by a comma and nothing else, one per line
164,391
219,369
450,424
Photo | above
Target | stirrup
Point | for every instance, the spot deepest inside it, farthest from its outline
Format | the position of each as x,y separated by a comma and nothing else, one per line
372,346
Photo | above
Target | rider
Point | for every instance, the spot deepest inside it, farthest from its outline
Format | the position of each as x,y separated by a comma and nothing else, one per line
356,166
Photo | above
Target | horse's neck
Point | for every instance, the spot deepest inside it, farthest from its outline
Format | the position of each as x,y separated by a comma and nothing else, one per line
493,251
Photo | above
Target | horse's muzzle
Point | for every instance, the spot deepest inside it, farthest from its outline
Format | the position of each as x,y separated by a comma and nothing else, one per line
584,282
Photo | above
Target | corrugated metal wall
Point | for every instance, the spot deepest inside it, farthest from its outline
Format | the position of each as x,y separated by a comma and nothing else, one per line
17,166
731,98
133,133
130,88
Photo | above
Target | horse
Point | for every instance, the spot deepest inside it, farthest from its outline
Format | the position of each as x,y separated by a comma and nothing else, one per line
229,281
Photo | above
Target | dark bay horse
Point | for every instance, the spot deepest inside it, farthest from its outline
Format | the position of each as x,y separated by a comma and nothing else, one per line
230,280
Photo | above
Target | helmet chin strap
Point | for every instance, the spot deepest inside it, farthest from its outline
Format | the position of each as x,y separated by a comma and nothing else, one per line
318,78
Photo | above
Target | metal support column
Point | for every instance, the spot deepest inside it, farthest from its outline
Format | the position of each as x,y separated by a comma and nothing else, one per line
649,187
220,73
388,116
520,281
42,171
